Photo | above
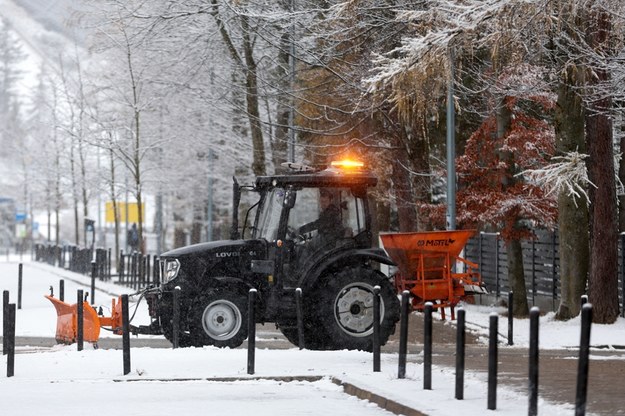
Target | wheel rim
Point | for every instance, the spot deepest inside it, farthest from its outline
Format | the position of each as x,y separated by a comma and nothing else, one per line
353,309
221,319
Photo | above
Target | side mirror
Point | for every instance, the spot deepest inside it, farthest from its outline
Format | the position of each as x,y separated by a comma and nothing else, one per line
289,198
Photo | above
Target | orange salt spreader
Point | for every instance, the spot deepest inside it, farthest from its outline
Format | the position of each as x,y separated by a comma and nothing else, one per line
67,319
426,263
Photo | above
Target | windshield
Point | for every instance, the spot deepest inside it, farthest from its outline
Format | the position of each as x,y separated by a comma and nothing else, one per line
348,214
349,210
269,215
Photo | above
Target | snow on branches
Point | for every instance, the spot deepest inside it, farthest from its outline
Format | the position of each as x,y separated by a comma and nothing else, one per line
566,174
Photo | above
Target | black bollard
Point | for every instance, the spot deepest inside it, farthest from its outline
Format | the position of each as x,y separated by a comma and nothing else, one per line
403,334
5,320
510,318
62,290
376,329
79,320
125,334
460,353
94,274
584,299
10,333
300,318
251,331
176,318
492,363
583,361
533,362
427,346
19,286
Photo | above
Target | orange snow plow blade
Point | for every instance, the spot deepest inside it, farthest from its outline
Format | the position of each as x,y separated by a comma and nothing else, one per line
67,321
426,267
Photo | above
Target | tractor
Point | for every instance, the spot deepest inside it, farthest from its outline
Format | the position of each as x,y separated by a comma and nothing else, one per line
311,230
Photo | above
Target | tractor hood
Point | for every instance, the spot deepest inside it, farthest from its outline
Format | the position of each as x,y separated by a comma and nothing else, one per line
192,264
221,249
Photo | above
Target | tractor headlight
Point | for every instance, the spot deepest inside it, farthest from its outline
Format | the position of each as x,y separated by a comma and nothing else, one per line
170,268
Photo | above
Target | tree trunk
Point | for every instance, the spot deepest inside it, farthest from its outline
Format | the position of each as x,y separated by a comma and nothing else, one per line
516,278
251,95
621,175
114,203
406,213
603,279
516,273
418,146
572,223
572,214
279,144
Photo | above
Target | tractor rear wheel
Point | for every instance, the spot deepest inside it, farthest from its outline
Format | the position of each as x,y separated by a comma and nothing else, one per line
219,318
345,308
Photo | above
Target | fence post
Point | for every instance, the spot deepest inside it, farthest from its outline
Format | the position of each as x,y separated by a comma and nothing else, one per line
533,272
533,362
480,251
583,361
251,331
511,318
94,273
108,264
460,350
554,277
376,329
79,319
498,289
157,270
403,334
147,273
623,274
120,267
492,362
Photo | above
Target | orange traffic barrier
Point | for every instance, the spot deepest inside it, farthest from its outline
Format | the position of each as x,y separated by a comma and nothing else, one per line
67,321
426,263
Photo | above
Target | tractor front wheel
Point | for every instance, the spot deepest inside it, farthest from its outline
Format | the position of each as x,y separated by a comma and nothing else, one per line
219,318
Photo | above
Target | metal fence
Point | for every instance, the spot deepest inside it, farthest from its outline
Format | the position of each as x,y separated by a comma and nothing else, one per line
541,264
134,269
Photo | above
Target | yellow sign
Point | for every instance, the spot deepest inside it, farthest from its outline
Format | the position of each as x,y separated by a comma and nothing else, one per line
130,211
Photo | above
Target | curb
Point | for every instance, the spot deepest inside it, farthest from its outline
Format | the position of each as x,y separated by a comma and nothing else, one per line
386,404
348,388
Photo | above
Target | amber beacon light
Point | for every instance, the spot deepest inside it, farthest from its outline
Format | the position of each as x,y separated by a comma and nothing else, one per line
347,164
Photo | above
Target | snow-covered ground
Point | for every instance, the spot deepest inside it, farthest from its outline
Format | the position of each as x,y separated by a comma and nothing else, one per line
215,381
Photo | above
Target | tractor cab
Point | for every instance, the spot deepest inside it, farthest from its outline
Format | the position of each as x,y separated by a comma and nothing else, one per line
307,214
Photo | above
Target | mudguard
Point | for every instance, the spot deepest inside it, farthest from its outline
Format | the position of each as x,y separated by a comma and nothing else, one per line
338,259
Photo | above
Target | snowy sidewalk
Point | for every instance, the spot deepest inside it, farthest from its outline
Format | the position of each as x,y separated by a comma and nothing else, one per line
93,379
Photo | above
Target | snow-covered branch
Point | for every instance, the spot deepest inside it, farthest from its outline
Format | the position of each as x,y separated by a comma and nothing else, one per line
567,174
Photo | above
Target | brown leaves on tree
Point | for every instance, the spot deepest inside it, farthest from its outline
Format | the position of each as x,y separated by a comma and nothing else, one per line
491,195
